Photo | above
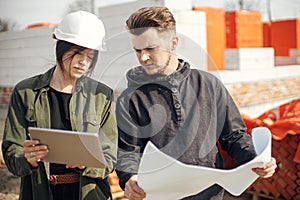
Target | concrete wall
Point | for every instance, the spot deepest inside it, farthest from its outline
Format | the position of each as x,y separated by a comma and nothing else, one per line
25,53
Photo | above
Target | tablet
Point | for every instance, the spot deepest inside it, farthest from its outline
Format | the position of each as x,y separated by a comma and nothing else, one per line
70,147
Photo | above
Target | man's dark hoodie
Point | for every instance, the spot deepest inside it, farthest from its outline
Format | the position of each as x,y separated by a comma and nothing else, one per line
186,115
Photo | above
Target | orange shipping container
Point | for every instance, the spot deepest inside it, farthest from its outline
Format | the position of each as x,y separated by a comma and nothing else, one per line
216,36
244,29
285,35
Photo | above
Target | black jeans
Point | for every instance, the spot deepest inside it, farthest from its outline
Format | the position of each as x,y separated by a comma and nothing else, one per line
68,191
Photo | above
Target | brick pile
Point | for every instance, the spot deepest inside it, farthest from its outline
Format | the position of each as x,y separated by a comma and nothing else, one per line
5,93
116,190
285,183
248,93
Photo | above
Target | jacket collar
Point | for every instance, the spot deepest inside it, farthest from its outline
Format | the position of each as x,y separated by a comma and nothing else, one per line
44,79
138,76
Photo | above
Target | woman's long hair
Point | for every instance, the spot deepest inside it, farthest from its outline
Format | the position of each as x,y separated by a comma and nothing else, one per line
62,47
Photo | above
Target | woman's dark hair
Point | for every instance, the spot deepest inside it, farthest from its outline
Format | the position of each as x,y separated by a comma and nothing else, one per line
62,47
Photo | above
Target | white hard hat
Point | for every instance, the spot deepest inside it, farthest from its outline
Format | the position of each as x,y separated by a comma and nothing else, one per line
82,28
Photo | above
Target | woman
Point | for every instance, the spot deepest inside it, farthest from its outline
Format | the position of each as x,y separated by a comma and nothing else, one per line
65,97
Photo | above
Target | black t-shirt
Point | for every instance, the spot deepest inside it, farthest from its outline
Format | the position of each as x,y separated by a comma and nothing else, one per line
60,119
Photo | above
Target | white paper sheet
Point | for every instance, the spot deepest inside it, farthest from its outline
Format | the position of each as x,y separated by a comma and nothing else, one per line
164,178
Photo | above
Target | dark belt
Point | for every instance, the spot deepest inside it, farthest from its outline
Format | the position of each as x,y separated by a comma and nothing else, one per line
72,177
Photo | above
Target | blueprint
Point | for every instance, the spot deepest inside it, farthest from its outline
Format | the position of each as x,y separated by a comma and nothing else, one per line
164,178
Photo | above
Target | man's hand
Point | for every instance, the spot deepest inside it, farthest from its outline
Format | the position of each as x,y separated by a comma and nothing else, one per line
132,190
268,170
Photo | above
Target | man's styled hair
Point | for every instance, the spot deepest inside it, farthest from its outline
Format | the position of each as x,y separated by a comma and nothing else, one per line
157,17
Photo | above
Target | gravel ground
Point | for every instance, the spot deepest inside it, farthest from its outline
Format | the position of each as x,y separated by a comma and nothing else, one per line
9,184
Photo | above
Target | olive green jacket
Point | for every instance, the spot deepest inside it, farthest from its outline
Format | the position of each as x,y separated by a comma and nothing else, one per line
91,110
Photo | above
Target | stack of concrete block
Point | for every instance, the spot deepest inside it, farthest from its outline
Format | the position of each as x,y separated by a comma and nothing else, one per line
292,59
249,59
24,53
192,46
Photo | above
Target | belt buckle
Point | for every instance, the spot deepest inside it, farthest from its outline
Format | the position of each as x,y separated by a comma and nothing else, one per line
53,178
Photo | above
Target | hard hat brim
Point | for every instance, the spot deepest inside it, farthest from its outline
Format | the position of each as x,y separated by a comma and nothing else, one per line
74,40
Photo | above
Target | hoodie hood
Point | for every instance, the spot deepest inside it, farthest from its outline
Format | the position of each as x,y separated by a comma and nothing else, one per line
137,76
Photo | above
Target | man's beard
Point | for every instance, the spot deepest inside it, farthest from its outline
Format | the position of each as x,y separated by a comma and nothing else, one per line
164,68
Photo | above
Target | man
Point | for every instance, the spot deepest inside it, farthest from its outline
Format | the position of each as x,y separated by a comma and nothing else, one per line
185,112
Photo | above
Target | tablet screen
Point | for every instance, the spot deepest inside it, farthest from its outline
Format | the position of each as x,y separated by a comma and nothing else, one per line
70,147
